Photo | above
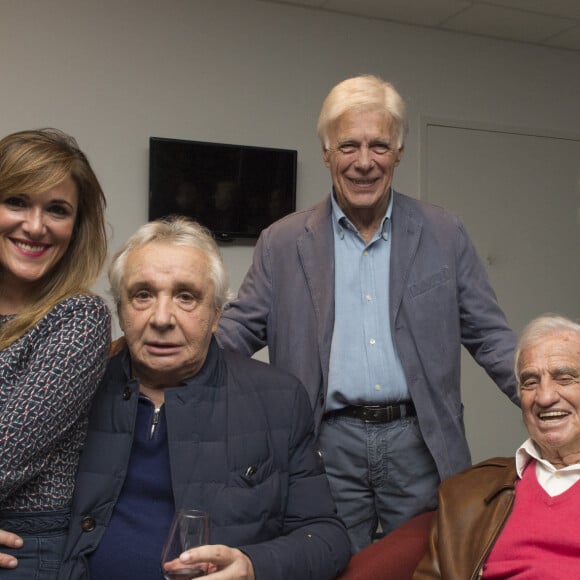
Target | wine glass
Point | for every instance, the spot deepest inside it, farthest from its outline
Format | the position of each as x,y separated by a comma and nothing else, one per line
189,529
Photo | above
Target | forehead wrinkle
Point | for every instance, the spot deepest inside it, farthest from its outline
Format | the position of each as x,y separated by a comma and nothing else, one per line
369,125
150,260
168,268
141,274
550,367
158,279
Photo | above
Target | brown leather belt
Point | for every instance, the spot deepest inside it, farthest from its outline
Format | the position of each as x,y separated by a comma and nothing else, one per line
376,413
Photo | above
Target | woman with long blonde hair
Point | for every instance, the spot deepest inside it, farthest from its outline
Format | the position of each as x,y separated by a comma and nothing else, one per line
54,338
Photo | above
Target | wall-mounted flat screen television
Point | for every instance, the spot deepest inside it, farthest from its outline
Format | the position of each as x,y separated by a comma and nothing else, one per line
234,190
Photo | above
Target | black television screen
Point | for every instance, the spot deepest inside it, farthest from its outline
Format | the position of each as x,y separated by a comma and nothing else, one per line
234,190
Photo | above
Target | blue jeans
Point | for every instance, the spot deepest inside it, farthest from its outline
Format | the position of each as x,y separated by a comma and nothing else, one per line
44,536
378,472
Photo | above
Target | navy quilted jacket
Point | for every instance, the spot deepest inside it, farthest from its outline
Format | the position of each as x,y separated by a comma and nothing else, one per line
242,449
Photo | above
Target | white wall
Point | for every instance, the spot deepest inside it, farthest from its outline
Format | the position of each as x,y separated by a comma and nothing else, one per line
113,73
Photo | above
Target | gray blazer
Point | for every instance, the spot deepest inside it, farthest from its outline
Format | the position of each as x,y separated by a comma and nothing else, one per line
440,299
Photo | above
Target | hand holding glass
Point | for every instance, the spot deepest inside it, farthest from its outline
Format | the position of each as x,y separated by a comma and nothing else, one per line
189,529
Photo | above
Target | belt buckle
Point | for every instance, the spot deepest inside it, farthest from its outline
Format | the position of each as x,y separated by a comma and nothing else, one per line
378,414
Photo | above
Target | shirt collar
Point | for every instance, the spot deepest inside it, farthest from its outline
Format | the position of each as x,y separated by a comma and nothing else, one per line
341,222
529,451
526,452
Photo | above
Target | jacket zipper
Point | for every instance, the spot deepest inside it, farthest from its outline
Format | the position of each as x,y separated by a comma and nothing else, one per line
154,422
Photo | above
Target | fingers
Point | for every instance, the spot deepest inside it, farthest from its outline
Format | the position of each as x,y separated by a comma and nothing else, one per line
219,555
177,566
9,540
221,558
7,561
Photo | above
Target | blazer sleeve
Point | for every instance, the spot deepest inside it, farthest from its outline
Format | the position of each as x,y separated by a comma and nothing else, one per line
243,324
485,332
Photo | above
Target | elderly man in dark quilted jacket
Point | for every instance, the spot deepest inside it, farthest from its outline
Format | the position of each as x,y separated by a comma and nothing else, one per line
179,423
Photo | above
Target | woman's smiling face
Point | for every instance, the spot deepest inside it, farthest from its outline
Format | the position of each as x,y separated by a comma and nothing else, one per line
35,232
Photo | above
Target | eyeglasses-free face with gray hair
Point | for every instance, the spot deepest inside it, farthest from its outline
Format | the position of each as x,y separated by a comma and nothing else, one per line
362,156
167,312
549,375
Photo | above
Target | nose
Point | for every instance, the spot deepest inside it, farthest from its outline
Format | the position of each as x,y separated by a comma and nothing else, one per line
547,393
364,159
34,224
162,315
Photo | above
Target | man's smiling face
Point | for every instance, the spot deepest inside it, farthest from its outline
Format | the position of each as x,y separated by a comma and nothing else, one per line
549,376
362,156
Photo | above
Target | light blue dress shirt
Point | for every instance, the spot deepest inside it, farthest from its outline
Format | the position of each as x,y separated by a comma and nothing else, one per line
364,366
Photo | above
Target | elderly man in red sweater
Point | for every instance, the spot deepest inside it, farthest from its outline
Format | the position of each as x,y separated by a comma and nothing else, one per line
519,517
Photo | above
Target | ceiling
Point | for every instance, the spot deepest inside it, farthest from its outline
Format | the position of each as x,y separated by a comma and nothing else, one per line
554,23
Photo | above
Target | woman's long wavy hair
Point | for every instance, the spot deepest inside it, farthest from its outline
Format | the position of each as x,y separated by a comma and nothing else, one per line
36,161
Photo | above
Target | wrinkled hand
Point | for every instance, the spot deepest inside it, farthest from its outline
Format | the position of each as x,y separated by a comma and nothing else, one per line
221,562
9,540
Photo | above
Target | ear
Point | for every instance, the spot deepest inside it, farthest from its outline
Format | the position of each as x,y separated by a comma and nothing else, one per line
399,156
326,156
120,317
216,321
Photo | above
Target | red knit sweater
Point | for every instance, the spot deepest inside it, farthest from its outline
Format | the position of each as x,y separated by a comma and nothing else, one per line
541,538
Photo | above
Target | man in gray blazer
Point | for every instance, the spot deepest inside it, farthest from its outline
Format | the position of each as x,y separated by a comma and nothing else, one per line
367,298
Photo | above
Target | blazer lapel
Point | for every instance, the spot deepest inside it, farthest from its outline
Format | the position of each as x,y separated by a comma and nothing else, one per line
406,232
316,253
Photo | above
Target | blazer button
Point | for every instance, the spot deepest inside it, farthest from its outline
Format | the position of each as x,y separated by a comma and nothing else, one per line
127,393
88,524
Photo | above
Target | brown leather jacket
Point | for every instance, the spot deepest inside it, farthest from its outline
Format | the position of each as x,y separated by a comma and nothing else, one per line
473,507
